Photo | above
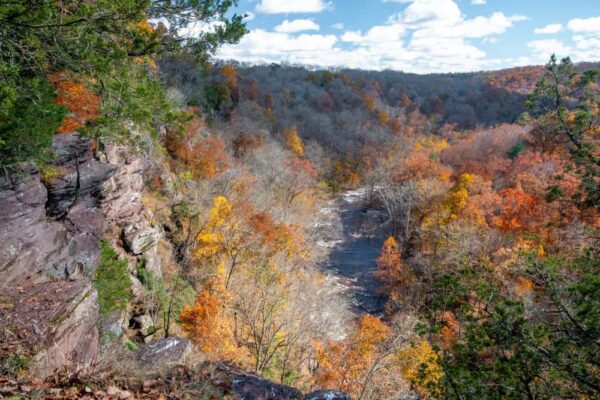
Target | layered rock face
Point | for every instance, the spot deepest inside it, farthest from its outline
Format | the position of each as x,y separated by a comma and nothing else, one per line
51,224
52,230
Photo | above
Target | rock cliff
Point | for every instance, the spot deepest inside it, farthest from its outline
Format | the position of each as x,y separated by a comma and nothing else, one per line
51,224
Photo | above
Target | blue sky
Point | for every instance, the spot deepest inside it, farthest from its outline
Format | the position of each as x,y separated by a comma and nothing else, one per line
420,36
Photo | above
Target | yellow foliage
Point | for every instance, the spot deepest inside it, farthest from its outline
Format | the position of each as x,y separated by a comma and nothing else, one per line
383,117
293,142
459,196
211,238
431,144
420,366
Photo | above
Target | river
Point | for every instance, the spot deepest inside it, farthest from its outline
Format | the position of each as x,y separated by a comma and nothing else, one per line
351,237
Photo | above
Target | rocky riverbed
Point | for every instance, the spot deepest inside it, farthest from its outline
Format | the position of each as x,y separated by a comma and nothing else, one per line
351,235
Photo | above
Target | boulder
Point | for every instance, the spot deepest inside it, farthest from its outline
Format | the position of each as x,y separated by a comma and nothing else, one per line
327,395
250,387
137,240
170,350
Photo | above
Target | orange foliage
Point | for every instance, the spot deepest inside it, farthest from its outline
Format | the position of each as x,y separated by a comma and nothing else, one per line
83,104
229,75
524,286
204,156
449,331
519,211
421,166
208,327
390,270
345,365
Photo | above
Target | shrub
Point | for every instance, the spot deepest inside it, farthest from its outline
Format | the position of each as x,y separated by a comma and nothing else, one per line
112,281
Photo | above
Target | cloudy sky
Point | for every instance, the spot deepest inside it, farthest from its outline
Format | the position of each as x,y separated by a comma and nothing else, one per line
417,35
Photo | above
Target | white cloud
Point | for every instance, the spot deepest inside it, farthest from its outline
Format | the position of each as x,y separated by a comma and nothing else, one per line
428,36
478,2
586,40
383,34
585,25
198,28
291,6
430,12
297,25
339,26
548,29
543,49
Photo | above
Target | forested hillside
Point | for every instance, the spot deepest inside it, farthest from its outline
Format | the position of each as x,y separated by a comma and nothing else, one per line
172,226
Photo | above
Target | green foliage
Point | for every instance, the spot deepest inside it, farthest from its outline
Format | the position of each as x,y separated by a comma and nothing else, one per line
504,351
103,42
566,104
217,96
112,281
516,150
14,365
28,123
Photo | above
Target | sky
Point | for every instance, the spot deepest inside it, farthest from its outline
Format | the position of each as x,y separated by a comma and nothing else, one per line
421,36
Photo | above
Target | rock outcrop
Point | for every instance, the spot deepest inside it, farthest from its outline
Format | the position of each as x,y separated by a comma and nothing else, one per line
51,224
164,351
327,395
50,229
250,387
54,323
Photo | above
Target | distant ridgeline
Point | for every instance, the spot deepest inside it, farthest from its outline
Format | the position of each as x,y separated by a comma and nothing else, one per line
338,109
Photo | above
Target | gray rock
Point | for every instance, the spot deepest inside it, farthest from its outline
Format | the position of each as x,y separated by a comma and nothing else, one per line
170,350
36,249
327,395
250,387
138,240
121,194
82,175
33,249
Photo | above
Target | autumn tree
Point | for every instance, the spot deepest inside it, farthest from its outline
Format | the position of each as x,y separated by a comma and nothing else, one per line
209,327
367,363
223,235
205,156
293,142
519,211
390,269
81,102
